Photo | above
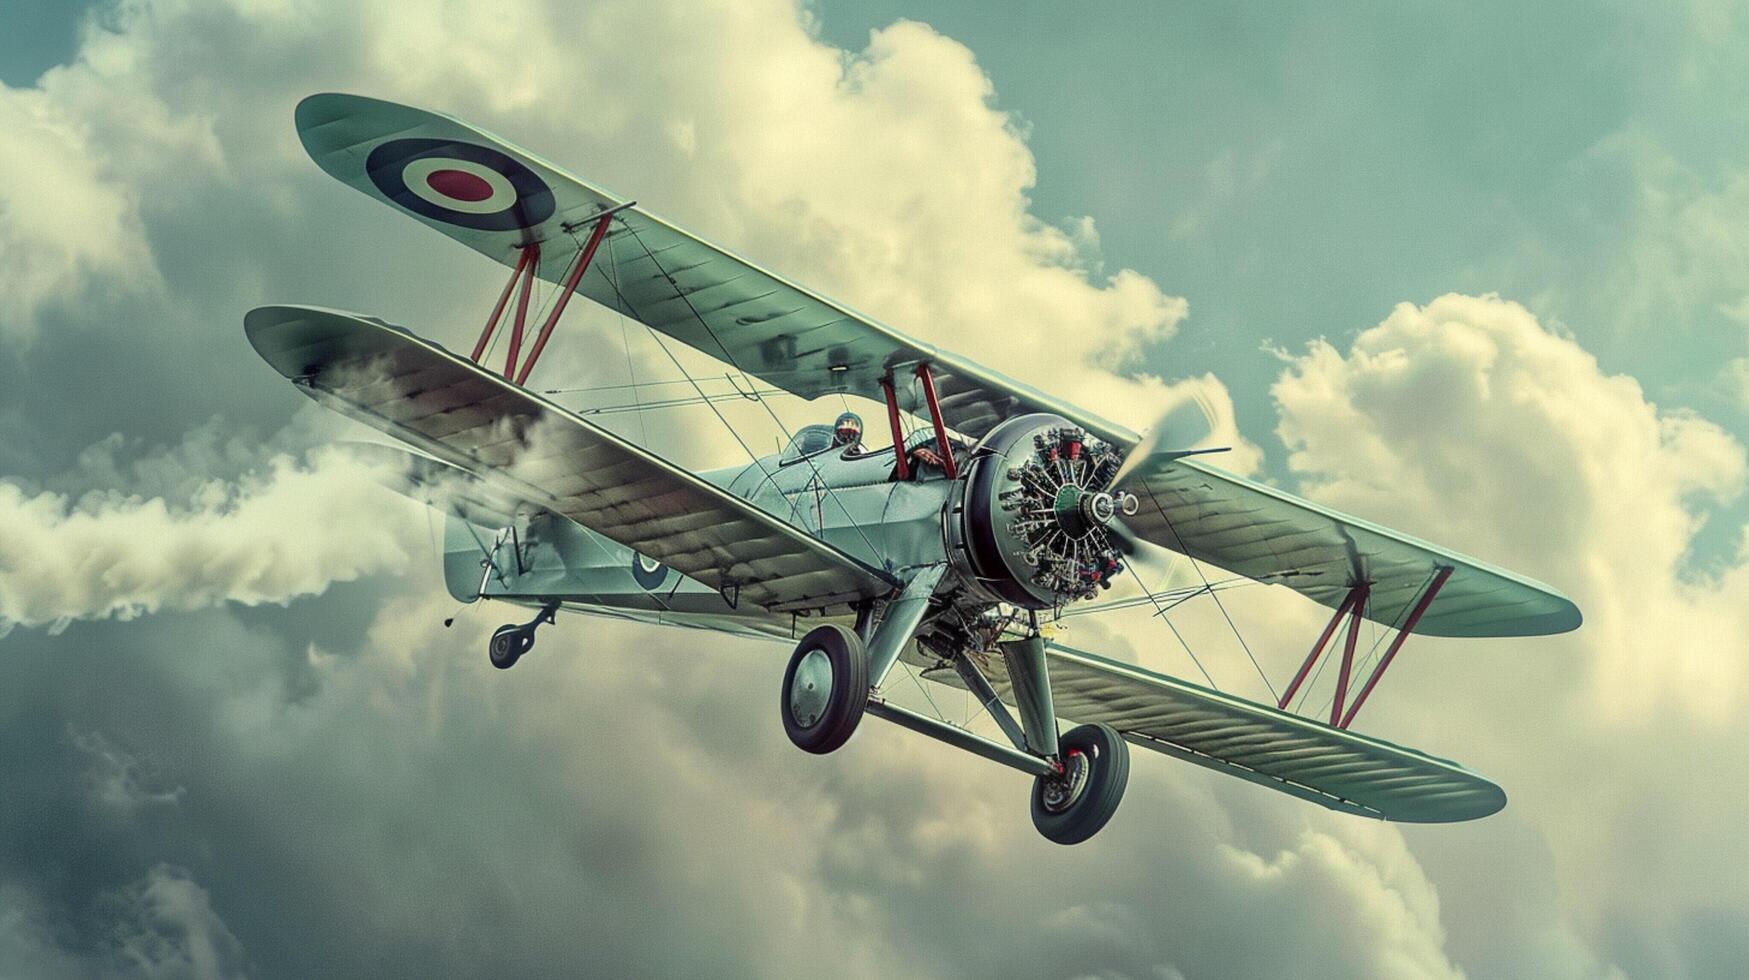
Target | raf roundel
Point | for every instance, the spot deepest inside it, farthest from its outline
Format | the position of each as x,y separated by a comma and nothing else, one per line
459,183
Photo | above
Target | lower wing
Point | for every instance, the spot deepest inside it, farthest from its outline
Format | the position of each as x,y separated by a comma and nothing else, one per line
539,453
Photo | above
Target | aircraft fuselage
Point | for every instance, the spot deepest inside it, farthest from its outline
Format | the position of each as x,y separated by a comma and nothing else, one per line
849,500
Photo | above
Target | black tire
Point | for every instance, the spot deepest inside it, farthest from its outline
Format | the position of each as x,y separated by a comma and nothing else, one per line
1082,813
827,721
508,644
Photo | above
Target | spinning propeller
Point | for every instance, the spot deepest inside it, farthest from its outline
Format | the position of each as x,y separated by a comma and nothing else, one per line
1189,422
1063,499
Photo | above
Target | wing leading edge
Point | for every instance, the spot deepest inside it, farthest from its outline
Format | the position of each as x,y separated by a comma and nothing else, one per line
467,416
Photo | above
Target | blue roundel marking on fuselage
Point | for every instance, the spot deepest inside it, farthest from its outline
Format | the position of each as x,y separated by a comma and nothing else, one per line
387,164
650,575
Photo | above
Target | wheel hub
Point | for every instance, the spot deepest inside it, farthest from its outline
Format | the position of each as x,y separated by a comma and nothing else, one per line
1061,792
810,690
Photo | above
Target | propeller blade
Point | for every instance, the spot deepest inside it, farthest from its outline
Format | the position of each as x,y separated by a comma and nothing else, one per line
1138,553
1183,426
1124,538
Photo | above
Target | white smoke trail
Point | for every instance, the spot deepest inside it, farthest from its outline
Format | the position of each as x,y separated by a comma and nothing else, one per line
289,529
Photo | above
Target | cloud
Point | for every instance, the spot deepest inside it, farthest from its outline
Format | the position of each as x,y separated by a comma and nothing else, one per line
27,938
66,228
118,780
1467,421
1390,912
614,812
1683,261
165,926
160,925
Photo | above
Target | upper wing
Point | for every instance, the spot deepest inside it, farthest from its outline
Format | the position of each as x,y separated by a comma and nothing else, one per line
805,343
495,198
461,413
1265,534
1338,769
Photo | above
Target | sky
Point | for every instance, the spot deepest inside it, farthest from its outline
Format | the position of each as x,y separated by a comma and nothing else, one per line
1478,271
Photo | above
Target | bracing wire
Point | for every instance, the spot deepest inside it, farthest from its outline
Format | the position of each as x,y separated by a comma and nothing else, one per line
1160,613
627,306
926,695
1217,599
625,339
727,355
751,384
1177,597
639,406
1193,657
1397,623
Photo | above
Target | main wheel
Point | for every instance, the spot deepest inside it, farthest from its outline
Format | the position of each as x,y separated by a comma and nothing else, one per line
825,689
1072,806
508,644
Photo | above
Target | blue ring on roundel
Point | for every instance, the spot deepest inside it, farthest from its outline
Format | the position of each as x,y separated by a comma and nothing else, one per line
649,578
534,199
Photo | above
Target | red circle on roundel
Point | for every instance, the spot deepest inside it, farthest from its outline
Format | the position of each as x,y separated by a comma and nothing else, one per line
459,185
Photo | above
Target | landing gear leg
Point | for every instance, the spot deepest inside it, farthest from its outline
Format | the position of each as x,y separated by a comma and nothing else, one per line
1092,762
510,641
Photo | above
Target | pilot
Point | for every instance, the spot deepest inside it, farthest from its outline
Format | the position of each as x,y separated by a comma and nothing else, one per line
847,433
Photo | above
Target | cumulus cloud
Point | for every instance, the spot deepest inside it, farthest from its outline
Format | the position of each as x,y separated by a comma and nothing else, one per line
1467,421
887,178
160,925
65,226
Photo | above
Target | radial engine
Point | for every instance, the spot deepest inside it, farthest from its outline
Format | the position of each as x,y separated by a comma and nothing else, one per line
1032,523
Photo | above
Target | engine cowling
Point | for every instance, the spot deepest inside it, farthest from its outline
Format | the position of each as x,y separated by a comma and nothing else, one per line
1030,522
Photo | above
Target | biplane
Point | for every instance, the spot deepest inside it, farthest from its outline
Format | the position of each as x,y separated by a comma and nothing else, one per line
995,511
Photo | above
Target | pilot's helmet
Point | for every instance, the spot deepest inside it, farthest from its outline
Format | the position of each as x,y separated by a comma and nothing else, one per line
847,431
